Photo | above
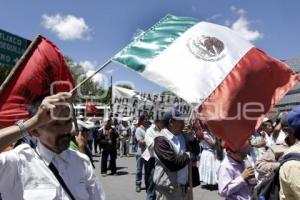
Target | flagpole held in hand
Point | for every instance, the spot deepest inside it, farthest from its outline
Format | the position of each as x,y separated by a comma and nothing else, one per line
81,83
74,120
188,131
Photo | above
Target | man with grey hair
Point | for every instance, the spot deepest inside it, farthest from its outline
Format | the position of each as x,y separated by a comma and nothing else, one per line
172,151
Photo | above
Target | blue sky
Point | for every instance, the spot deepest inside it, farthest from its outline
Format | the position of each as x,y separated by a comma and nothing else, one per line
90,32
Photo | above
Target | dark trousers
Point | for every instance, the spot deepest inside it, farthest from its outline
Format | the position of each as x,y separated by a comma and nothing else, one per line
149,172
97,143
112,153
90,144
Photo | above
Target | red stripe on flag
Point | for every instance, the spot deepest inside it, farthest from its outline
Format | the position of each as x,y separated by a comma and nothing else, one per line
234,110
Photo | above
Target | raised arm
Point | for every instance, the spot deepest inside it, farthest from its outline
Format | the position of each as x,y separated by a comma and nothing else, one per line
12,133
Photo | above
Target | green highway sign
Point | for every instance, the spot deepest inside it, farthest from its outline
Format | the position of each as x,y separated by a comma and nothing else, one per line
12,48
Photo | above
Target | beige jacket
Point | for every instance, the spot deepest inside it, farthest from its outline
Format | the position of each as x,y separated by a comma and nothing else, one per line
268,162
289,177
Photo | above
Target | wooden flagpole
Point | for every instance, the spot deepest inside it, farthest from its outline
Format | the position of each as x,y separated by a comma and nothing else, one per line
74,120
80,84
190,177
25,55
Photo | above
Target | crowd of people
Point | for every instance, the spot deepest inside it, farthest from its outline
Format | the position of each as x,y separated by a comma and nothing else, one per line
47,152
246,170
157,146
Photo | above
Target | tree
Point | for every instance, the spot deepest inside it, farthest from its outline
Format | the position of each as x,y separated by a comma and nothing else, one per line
89,89
107,98
168,93
75,68
4,71
127,86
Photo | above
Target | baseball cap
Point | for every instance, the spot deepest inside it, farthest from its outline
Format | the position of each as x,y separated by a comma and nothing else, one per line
294,121
173,114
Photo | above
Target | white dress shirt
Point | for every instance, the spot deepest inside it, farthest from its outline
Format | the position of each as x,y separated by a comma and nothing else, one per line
279,140
25,175
151,133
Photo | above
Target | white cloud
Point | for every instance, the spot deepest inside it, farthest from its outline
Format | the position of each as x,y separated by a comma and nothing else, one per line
213,17
90,68
98,78
227,22
241,12
242,26
110,71
137,33
88,65
67,27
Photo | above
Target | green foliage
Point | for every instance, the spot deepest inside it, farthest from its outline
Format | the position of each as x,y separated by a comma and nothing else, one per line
168,93
75,68
125,86
4,71
89,89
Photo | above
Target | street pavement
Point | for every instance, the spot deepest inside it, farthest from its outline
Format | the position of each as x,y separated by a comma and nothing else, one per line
122,186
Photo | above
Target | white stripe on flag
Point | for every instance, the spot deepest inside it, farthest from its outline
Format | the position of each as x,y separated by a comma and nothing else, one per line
192,78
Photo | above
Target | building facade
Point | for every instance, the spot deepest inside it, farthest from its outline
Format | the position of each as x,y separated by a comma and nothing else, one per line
292,98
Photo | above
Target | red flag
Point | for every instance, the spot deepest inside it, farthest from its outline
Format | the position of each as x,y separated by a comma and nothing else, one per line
90,107
234,110
45,66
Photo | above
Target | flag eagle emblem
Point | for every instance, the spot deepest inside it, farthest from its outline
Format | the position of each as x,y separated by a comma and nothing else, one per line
206,48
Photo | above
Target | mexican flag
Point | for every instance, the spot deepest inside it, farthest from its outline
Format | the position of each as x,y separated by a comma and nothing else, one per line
211,66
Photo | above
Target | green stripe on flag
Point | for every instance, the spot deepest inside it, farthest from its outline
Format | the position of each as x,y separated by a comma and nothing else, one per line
155,40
